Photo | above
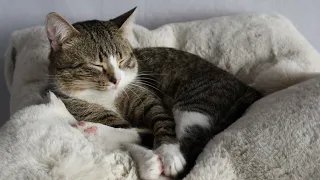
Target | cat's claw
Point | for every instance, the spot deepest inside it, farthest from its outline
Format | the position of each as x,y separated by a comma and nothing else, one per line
172,159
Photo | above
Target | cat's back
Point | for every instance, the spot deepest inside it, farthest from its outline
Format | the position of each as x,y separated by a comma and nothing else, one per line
176,63
166,54
172,69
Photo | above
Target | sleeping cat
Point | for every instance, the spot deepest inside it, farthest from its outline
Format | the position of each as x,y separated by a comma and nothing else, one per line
182,98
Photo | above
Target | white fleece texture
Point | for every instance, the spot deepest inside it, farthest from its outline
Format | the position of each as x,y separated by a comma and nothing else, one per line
38,142
264,51
277,138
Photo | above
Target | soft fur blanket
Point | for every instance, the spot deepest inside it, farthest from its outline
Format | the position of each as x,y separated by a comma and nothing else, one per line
277,138
38,142
264,51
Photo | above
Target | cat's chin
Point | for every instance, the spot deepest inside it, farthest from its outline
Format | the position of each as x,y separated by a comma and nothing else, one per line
112,88
109,91
105,89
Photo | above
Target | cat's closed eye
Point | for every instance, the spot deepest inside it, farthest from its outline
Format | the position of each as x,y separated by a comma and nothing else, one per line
121,61
96,66
76,65
125,62
73,66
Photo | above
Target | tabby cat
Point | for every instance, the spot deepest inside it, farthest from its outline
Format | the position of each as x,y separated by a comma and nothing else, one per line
181,97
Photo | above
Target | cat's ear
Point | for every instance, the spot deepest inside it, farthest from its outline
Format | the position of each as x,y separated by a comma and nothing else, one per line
58,30
125,22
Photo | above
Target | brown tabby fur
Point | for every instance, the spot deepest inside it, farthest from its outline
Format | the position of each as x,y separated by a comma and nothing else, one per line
188,82
93,43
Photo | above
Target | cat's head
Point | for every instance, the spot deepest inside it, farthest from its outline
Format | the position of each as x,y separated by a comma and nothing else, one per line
91,54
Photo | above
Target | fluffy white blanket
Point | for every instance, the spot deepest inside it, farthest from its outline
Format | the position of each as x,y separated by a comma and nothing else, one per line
277,138
38,142
264,51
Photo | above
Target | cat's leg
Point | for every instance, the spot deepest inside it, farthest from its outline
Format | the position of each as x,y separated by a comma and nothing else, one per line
84,111
107,137
200,117
193,130
185,120
172,158
149,163
151,110
165,141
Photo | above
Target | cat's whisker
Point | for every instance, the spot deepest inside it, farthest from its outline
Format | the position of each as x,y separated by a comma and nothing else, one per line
145,89
144,78
135,94
141,74
151,86
149,73
124,90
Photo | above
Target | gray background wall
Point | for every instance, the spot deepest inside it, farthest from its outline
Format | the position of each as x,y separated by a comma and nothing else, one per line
17,14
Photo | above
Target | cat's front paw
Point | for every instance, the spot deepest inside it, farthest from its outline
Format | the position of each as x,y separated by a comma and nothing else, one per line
149,163
151,168
86,127
172,159
105,136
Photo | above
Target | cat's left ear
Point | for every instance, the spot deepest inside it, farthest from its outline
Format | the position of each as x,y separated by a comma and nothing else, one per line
125,22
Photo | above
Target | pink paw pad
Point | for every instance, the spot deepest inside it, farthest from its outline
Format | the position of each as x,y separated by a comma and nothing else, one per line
160,164
91,130
82,126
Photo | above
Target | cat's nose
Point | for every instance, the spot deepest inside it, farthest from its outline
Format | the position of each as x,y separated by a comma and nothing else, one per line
114,80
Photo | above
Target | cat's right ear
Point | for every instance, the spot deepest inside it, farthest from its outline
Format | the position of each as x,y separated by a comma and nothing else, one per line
58,30
125,22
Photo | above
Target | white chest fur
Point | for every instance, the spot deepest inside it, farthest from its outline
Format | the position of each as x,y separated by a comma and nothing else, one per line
103,98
